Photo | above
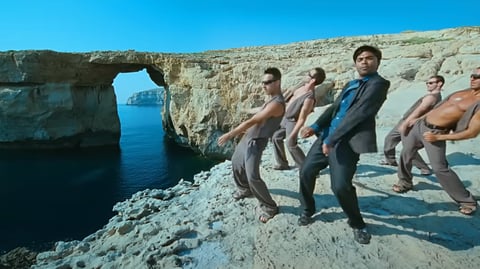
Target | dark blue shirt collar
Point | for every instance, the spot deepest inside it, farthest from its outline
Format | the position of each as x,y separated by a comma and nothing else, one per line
367,77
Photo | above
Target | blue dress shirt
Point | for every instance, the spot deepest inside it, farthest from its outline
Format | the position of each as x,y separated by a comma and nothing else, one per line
347,97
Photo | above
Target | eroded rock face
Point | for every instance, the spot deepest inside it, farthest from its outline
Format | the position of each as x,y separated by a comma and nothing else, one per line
58,115
57,100
63,99
18,258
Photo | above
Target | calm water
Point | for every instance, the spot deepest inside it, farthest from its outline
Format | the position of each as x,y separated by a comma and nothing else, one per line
64,195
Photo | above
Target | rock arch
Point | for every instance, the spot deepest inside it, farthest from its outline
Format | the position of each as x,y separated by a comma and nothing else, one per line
54,99
62,100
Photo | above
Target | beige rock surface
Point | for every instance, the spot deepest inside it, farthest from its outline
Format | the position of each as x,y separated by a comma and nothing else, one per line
201,226
206,228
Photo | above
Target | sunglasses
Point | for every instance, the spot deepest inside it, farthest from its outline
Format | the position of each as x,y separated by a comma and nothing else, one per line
431,82
267,82
475,76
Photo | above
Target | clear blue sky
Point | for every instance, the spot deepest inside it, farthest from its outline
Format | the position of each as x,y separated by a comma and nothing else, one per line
195,26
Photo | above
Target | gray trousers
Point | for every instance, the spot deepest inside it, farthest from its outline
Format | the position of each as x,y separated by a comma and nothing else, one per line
436,152
391,141
279,148
246,172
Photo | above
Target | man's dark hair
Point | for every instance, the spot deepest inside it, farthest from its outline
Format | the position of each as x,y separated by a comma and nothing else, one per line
319,75
371,49
277,75
439,78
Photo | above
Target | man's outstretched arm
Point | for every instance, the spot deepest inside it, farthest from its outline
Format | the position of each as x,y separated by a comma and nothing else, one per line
273,109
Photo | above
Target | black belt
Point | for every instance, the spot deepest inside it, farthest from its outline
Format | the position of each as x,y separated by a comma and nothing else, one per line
431,126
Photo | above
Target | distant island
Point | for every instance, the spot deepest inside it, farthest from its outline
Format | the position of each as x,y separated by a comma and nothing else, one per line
153,97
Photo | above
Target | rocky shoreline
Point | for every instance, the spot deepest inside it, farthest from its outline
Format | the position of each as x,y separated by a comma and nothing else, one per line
199,225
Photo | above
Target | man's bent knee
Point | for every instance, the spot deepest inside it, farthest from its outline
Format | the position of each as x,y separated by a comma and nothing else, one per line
341,189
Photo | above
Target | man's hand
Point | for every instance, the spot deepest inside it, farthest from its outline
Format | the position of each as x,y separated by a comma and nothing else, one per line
291,140
430,137
404,128
325,149
306,132
223,139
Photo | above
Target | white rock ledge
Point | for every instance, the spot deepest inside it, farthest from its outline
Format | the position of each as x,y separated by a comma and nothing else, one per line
199,225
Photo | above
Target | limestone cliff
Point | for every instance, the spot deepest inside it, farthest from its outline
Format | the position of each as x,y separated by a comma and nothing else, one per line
67,99
153,97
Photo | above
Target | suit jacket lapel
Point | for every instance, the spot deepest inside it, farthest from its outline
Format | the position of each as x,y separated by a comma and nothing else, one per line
360,88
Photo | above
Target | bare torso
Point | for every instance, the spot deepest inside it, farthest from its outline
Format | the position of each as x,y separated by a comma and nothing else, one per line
450,112
296,94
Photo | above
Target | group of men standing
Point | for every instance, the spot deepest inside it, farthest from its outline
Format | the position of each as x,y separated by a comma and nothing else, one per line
347,129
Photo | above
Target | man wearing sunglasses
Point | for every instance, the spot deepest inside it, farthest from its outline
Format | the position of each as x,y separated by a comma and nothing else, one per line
247,155
345,130
300,103
417,110
455,118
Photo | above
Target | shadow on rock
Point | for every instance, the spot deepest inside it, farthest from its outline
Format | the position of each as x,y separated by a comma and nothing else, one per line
435,229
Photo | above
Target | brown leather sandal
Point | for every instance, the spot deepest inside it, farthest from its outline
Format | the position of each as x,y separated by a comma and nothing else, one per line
400,188
467,209
263,216
237,195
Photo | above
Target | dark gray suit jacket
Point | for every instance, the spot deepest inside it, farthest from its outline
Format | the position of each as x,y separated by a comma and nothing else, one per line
358,125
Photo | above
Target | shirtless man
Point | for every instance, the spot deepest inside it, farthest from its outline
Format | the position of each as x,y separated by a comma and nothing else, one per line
456,118
299,105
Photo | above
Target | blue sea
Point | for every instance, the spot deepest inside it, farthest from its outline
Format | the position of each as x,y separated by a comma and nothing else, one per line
49,196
